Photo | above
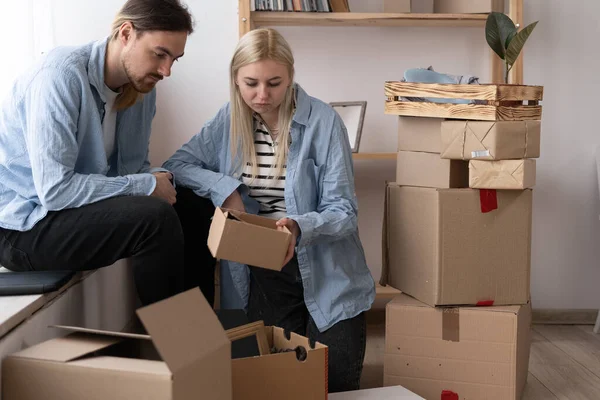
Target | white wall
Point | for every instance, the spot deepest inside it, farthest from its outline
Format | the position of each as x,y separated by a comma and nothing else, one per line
337,64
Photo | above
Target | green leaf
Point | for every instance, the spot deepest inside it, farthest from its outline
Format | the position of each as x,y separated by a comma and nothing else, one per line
517,43
498,28
510,38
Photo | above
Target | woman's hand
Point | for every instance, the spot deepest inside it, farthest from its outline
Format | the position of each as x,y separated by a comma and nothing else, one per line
234,202
295,229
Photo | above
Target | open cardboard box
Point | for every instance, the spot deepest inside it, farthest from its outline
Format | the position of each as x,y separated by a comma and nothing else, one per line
248,239
186,355
282,375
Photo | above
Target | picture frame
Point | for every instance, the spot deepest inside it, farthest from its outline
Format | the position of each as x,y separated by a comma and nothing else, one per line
353,116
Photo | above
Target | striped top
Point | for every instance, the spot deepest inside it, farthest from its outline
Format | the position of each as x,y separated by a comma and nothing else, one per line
265,189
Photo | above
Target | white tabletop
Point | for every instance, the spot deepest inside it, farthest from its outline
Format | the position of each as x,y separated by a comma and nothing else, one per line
385,393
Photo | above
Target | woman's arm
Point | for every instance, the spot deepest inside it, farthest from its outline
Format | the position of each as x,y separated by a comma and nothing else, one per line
196,164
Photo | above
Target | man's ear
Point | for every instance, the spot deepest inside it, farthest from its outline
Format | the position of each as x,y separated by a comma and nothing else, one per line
126,32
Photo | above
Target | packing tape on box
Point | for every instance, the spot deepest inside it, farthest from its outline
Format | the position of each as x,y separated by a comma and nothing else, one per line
449,395
479,153
450,324
488,200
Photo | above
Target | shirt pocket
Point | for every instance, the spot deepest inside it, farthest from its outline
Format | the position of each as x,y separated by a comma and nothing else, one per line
307,186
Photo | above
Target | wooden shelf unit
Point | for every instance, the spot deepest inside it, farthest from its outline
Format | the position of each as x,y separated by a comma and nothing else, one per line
249,20
283,18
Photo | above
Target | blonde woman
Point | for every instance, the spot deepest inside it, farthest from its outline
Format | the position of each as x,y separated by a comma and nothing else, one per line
276,151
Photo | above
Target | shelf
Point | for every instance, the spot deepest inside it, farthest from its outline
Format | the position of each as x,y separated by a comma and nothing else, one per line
283,18
374,156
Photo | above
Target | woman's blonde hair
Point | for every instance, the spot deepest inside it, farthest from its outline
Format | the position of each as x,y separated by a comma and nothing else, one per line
258,45
145,16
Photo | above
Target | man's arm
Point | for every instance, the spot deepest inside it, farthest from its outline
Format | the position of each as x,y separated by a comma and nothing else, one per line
52,108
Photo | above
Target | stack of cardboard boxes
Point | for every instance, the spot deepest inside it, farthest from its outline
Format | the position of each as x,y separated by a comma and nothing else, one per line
457,242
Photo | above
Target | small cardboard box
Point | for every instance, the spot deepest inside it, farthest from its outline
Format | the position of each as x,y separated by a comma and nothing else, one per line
420,134
186,355
477,353
490,140
248,239
503,174
282,375
468,6
429,170
443,250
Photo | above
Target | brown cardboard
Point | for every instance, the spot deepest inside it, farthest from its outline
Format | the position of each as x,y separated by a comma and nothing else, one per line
503,174
396,6
488,361
468,6
186,353
248,239
429,170
420,134
443,250
282,375
489,140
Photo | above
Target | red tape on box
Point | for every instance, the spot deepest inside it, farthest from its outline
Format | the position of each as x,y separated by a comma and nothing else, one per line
485,303
448,395
488,199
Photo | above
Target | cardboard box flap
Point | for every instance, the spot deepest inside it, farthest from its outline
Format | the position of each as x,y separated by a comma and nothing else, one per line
100,332
404,300
184,328
254,220
68,348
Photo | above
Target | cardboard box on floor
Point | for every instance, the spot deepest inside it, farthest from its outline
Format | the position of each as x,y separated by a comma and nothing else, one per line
468,6
420,134
282,375
490,140
442,250
186,355
248,239
429,170
503,174
477,353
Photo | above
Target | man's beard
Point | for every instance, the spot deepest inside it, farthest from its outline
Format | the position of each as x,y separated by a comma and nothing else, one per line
140,85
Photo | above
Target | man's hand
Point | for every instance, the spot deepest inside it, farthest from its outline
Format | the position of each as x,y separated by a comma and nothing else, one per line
234,202
164,188
295,229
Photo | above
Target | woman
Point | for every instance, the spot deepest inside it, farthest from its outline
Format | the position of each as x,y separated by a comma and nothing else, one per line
275,151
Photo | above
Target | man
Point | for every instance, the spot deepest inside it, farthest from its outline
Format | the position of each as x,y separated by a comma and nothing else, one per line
76,188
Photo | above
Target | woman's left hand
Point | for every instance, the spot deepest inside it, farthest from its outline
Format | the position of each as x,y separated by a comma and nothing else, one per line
295,229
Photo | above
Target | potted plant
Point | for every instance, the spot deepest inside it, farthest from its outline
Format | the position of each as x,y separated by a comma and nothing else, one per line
505,40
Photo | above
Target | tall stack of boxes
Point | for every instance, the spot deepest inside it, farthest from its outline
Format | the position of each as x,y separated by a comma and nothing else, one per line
458,241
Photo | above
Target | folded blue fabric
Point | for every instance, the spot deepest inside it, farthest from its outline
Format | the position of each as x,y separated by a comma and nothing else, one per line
428,75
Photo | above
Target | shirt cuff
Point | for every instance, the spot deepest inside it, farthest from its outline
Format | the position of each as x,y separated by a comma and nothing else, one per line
306,231
143,184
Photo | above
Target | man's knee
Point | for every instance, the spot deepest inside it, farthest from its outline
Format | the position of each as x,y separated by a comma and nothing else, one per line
156,212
